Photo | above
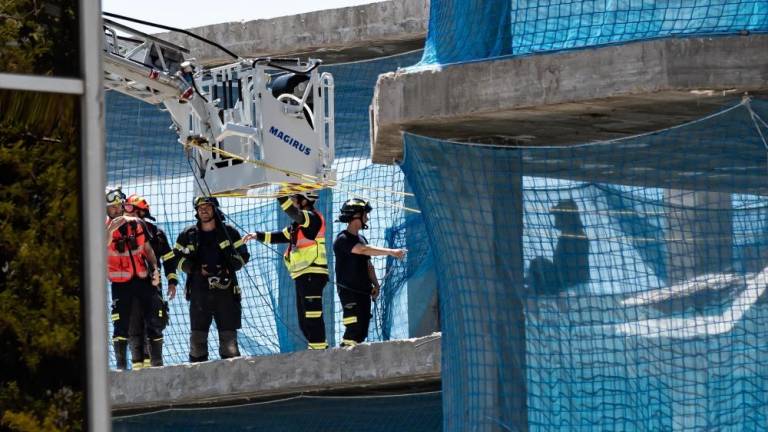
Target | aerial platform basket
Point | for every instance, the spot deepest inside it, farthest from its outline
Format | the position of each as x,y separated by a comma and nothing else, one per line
248,125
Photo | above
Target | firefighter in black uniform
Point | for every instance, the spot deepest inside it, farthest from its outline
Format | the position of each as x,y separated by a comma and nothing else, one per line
210,252
356,281
306,261
145,351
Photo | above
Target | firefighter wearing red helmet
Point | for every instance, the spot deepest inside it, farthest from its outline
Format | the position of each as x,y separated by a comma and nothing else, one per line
132,270
148,351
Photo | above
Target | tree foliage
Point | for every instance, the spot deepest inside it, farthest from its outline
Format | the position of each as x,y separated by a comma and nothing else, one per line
41,372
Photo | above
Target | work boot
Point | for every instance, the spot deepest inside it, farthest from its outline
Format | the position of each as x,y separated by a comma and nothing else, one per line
228,344
121,354
156,352
137,352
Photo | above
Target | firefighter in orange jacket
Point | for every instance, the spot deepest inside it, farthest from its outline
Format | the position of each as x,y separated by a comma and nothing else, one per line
306,260
132,269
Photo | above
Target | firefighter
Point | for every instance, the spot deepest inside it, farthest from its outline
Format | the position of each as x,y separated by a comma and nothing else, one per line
145,351
356,282
210,252
305,258
115,199
132,269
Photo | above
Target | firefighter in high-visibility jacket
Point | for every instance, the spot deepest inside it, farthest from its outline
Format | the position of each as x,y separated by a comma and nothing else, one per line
306,261
132,269
210,252
146,351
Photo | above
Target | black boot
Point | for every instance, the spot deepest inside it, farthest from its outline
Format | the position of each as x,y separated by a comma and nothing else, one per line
136,343
121,354
156,352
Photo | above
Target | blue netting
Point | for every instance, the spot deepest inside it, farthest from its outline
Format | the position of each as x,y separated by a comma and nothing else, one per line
144,157
466,30
609,286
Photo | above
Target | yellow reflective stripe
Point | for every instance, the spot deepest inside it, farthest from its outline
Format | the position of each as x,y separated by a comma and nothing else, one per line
349,342
309,270
224,244
137,366
349,320
172,276
160,313
314,314
267,238
313,297
115,317
167,256
181,263
178,246
317,345
119,338
306,219
147,363
286,205
286,233
239,243
158,339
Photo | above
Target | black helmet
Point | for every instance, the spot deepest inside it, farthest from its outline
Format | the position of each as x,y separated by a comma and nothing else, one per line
352,207
309,195
208,200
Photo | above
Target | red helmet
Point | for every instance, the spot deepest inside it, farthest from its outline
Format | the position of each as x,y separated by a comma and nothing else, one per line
140,203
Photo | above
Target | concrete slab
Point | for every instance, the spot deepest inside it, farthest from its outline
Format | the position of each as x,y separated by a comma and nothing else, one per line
334,35
367,366
568,97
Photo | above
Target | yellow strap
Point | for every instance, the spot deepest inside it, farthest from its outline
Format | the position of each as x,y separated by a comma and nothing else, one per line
306,219
349,320
181,263
313,314
286,205
167,256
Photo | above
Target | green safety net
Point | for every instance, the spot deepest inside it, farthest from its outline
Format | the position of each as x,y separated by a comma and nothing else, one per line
608,286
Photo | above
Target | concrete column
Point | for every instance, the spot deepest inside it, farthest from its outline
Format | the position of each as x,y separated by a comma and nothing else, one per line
700,233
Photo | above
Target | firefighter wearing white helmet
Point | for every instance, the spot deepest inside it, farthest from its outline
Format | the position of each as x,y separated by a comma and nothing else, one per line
305,259
356,281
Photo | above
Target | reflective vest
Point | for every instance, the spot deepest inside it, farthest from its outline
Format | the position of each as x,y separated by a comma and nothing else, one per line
306,255
123,266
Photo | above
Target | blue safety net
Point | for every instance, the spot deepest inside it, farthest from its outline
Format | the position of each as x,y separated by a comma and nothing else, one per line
609,286
144,157
467,30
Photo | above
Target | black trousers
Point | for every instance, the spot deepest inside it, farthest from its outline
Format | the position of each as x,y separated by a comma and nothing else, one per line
135,293
137,329
356,308
309,308
207,305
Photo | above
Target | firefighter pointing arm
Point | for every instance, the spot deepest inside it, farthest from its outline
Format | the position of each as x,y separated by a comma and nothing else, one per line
356,279
305,258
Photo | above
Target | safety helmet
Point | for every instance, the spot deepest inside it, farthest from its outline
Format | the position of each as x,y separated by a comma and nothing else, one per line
114,196
201,200
310,196
206,200
140,203
352,207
